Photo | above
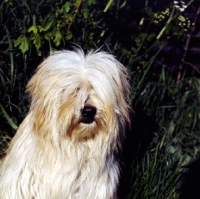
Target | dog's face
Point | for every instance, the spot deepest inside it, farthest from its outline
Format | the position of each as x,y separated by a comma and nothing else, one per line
79,96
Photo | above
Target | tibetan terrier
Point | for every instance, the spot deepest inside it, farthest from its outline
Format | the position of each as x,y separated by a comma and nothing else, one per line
66,146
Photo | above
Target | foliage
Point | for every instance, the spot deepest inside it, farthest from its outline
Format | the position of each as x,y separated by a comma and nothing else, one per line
157,173
176,142
152,44
29,31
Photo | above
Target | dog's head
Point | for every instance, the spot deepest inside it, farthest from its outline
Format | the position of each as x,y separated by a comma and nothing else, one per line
78,95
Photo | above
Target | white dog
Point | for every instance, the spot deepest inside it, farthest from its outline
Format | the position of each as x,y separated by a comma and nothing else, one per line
66,146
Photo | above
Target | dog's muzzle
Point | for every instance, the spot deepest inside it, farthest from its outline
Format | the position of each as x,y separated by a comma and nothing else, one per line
88,114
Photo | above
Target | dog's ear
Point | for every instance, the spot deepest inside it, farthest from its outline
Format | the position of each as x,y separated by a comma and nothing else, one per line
39,119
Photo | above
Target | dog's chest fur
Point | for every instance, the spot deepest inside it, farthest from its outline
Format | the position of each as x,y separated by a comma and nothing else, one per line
82,169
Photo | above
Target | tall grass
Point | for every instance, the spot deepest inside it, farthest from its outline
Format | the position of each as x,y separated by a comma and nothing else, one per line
175,108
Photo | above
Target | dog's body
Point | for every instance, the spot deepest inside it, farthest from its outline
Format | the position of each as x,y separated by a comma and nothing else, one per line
65,148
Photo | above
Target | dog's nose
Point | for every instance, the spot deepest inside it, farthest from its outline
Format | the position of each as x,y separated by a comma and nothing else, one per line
88,113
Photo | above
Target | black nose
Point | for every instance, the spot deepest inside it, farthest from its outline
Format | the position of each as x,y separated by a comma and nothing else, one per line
88,113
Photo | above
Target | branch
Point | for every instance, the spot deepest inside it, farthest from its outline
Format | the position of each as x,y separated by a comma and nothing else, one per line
74,14
186,46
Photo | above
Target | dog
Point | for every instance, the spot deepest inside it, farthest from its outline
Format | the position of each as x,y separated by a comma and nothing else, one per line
67,145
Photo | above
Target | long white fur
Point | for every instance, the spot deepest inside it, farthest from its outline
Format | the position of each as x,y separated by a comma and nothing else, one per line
53,155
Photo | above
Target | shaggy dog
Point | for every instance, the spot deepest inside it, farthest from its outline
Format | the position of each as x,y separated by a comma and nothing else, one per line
66,146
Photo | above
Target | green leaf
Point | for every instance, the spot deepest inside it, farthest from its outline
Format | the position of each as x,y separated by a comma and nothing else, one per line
33,29
85,13
66,7
48,36
77,3
109,4
68,35
57,38
47,26
37,41
9,119
172,149
23,43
